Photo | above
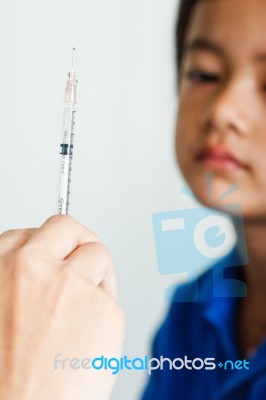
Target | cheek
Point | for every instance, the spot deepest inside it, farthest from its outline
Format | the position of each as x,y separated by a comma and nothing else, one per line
187,130
180,141
189,136
259,166
258,141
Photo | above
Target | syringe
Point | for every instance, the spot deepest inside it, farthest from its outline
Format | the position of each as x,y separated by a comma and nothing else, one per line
66,148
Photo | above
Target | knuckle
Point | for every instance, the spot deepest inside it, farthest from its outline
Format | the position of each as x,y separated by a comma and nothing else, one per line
20,263
7,233
26,259
103,253
71,223
10,232
93,242
59,218
95,237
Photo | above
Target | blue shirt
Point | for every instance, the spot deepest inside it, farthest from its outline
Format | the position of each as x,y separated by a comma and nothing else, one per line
201,323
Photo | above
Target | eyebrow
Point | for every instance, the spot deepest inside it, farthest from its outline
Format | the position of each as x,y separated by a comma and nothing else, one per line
212,47
205,45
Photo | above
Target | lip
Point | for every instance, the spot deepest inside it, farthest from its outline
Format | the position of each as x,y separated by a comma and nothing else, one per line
219,159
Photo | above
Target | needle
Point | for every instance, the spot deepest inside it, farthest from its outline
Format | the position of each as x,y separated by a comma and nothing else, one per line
73,51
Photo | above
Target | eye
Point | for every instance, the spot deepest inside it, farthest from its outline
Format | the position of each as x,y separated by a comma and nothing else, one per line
199,76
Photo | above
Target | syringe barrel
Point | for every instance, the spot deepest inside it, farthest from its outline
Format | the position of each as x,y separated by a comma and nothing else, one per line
66,154
66,147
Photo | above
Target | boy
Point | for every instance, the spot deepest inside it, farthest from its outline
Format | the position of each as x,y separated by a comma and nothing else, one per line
221,130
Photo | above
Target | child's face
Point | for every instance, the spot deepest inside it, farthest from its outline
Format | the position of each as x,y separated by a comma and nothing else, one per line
221,126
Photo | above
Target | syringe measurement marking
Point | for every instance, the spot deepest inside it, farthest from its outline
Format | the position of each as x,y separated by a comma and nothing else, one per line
70,157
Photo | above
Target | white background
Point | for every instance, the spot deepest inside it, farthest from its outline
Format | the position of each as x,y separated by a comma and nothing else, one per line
124,168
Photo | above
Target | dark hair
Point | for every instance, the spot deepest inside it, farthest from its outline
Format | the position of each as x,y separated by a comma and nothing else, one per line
186,8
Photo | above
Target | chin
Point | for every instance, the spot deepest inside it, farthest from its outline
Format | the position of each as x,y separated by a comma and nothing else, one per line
238,203
218,193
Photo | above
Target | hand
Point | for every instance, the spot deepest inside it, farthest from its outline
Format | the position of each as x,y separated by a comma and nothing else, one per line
57,298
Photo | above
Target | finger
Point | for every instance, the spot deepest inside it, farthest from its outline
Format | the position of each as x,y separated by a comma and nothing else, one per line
14,239
60,235
94,261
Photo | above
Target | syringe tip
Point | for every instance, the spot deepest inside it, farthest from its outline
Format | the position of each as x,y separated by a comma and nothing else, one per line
73,50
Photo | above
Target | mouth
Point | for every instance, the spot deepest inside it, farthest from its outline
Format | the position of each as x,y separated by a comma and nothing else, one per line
219,159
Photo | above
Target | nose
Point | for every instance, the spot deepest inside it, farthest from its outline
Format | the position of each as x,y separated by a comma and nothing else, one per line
229,109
